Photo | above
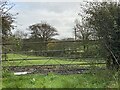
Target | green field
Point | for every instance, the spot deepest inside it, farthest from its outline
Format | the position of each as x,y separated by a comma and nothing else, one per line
45,60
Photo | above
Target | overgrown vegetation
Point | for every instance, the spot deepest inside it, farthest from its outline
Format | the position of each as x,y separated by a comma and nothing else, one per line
103,20
101,79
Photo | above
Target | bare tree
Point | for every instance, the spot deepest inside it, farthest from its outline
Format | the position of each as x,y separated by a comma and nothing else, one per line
82,32
20,34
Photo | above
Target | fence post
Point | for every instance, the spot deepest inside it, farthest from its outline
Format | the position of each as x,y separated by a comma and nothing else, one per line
0,53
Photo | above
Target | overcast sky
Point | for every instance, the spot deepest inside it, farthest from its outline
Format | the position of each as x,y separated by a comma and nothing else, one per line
58,13
61,15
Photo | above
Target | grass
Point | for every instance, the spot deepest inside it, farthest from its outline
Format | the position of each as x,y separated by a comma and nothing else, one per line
0,82
102,79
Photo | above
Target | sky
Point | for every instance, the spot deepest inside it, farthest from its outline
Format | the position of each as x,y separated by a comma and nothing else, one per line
60,15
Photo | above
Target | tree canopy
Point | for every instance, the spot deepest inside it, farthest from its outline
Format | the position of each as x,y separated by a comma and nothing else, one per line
7,19
42,31
104,19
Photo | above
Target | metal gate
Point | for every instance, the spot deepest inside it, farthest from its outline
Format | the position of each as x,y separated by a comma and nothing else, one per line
62,57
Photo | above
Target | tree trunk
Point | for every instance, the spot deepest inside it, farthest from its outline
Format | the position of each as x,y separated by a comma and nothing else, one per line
116,64
108,63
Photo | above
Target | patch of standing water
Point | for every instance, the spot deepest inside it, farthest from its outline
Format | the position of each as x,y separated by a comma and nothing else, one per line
21,73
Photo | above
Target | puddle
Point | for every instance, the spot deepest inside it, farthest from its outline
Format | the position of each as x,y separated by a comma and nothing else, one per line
21,73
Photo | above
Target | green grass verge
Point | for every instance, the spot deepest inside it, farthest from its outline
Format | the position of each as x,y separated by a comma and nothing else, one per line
102,79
